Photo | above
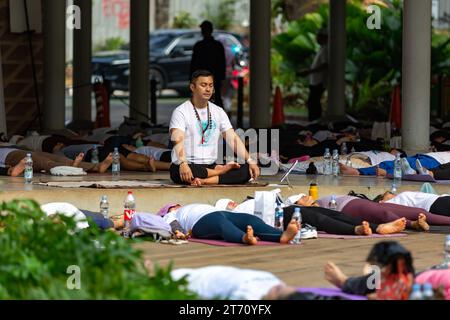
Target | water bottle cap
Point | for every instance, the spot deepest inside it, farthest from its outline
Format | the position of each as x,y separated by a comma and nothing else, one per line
130,192
427,286
333,197
297,209
28,154
416,287
116,149
448,237
104,197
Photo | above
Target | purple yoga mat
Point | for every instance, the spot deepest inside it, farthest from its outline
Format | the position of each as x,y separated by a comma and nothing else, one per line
420,178
332,292
323,235
222,243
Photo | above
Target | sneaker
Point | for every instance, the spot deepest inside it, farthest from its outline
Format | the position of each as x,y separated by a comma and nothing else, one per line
420,168
406,168
308,232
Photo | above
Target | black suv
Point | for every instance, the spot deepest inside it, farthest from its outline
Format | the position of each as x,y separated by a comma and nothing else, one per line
170,58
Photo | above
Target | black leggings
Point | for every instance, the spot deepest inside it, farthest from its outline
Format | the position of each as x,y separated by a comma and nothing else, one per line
232,226
327,220
442,172
441,206
235,176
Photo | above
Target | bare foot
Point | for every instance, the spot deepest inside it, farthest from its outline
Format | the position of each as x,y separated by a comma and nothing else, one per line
290,232
151,164
421,223
227,167
381,172
105,164
78,160
197,182
18,169
249,237
334,274
364,229
392,227
347,170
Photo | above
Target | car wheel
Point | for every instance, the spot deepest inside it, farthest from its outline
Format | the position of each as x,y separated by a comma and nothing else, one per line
160,82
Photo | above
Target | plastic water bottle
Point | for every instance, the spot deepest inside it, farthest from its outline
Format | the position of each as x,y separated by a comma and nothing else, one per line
332,205
298,217
104,206
279,213
327,162
129,208
397,169
116,163
28,173
343,149
428,293
447,251
139,142
353,150
416,293
94,155
335,163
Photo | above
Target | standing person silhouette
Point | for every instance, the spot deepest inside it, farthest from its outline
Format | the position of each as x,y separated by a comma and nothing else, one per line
317,74
209,54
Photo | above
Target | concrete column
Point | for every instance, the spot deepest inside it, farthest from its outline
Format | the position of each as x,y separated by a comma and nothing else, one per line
416,71
336,59
2,101
139,55
82,56
54,32
260,44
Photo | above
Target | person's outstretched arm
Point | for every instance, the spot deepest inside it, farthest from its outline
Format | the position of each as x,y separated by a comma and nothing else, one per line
177,137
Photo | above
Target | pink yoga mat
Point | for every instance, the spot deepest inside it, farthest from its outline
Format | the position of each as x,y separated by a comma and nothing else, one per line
323,235
222,243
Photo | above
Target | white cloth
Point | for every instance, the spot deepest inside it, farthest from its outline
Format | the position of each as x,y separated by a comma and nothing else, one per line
248,206
33,142
319,77
375,157
184,119
222,204
150,151
3,154
441,157
224,282
68,210
415,199
189,215
322,135
67,171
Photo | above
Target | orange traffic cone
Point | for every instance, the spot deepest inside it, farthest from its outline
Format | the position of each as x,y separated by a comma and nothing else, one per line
396,108
277,112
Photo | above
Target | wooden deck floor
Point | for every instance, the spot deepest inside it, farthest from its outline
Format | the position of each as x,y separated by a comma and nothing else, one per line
295,265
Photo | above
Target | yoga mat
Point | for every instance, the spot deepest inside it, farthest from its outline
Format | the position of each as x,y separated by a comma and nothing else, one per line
125,184
332,292
222,243
420,178
324,235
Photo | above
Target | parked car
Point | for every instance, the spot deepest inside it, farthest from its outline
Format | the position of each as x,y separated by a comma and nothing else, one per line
169,61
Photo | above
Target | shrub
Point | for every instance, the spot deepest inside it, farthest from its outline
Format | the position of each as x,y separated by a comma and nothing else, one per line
37,251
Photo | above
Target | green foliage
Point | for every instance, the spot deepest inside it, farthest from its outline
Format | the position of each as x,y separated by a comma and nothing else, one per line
183,20
110,44
37,251
221,14
374,57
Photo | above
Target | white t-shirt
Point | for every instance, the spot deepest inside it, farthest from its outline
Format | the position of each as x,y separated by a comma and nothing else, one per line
441,157
189,215
184,119
68,210
319,77
150,151
224,282
248,206
4,153
33,142
415,199
376,157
